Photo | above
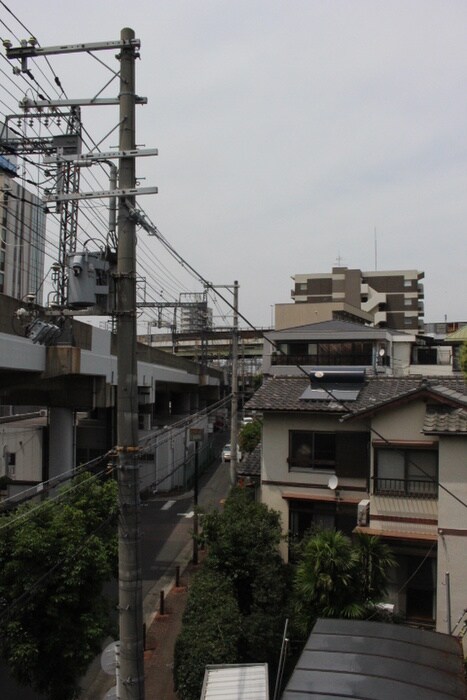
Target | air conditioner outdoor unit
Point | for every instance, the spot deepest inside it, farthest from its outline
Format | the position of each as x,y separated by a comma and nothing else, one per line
363,513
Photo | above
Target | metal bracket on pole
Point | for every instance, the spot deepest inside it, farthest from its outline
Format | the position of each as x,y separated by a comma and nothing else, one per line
125,192
26,103
105,155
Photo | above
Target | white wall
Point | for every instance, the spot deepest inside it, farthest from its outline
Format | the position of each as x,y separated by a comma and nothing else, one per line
452,524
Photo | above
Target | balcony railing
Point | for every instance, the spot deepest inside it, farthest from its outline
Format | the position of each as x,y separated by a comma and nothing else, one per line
408,488
322,359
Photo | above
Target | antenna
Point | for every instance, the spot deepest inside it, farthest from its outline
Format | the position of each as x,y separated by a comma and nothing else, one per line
376,251
333,482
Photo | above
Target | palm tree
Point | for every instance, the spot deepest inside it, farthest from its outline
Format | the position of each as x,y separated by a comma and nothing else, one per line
326,579
375,561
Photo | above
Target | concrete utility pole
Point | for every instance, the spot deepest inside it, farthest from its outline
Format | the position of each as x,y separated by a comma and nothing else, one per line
130,681
234,404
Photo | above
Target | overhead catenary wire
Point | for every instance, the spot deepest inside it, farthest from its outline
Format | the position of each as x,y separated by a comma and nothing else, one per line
187,266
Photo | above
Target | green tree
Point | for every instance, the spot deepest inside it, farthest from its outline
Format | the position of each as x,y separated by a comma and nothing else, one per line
54,560
325,579
463,359
210,633
242,552
249,436
375,561
336,577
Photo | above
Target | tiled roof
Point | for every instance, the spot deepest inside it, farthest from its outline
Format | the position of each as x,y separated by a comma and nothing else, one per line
334,325
251,465
445,420
283,394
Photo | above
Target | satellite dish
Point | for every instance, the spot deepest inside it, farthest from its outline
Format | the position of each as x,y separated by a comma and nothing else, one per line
333,483
109,658
381,352
319,374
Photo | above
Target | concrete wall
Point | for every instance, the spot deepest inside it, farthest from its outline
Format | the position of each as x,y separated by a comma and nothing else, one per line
25,443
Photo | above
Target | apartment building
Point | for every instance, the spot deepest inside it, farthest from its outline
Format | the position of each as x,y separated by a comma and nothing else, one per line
22,241
387,299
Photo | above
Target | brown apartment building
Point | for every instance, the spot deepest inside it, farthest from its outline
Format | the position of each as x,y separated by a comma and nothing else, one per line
388,299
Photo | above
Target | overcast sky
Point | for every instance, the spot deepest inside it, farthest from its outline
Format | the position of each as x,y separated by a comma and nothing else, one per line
289,132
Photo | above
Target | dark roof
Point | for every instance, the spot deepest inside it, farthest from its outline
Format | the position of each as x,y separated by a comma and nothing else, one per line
251,464
283,394
336,326
444,420
377,661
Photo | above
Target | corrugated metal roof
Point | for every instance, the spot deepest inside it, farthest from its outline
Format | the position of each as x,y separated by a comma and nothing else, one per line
235,682
377,661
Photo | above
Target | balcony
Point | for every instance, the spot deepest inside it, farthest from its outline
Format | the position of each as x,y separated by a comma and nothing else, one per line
407,488
352,359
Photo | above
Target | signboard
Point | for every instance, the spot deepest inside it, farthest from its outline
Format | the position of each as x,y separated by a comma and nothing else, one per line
196,434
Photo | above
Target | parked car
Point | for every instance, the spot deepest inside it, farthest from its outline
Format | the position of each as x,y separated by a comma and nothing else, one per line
227,452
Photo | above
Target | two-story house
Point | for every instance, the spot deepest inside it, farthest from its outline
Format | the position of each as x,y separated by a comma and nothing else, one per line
385,454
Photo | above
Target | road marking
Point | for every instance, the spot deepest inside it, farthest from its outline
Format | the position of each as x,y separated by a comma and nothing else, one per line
167,505
190,514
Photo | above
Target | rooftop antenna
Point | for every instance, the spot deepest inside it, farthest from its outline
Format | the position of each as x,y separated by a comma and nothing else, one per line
376,251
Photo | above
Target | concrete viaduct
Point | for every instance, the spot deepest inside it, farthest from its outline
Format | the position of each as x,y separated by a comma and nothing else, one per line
79,374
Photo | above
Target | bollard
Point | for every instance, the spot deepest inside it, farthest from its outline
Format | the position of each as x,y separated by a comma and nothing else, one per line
161,604
177,577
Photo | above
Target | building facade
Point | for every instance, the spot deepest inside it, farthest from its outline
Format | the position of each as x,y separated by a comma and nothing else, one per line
380,454
391,298
22,242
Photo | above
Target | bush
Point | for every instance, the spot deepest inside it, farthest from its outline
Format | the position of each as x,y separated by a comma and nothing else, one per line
211,632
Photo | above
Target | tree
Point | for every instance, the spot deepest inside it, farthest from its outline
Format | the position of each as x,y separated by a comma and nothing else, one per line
338,578
463,359
54,560
242,555
249,436
325,578
210,633
375,560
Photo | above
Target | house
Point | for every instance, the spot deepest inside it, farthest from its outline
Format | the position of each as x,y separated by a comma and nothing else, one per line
340,342
384,454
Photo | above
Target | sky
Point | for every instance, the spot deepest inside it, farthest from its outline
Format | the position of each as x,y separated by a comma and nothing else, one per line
293,136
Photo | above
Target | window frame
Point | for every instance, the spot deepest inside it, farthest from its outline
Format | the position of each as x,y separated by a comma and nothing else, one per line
316,464
407,482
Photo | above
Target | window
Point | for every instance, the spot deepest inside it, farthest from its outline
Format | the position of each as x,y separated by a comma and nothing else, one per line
347,452
309,450
406,472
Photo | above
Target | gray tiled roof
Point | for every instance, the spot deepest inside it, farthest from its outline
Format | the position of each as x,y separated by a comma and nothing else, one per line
445,420
251,465
283,394
338,326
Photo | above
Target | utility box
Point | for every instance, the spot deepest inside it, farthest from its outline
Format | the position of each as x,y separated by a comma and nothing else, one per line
363,513
88,279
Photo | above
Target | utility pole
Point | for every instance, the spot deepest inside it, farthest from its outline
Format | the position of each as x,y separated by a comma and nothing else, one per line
234,403
130,684
130,673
